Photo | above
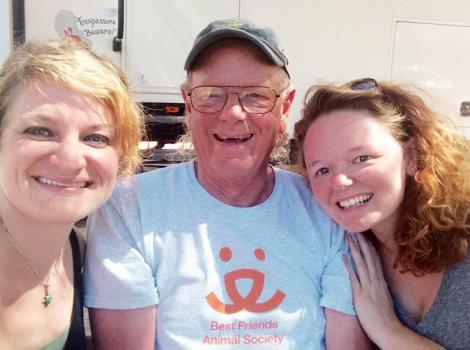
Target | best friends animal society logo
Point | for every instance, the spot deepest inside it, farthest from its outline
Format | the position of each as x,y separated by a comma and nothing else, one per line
231,333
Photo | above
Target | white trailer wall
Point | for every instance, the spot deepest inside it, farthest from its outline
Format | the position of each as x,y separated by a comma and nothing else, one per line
5,29
325,40
339,40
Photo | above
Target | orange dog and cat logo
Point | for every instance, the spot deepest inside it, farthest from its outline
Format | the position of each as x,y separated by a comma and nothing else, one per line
251,301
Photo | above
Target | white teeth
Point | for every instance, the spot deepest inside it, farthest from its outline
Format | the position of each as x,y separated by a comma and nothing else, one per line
354,201
234,137
50,182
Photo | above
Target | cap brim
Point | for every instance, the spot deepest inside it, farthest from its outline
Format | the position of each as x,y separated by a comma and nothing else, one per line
225,34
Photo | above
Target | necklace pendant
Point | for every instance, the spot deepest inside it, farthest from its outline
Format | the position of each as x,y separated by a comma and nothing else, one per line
47,300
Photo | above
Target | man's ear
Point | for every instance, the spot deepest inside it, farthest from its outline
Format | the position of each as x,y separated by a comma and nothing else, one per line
411,157
187,103
283,125
287,98
184,94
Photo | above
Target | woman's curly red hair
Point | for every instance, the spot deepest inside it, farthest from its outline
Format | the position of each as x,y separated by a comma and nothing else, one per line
434,228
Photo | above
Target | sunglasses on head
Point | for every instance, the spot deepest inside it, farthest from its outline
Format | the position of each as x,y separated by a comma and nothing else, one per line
363,84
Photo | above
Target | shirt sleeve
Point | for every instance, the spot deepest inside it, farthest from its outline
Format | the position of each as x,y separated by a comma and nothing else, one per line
118,271
336,286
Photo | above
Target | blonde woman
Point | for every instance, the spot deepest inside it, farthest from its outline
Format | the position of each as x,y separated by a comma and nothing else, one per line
68,129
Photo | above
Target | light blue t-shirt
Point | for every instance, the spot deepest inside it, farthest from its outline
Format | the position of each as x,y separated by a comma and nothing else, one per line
223,277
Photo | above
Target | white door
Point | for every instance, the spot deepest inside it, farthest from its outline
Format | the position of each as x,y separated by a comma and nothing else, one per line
435,56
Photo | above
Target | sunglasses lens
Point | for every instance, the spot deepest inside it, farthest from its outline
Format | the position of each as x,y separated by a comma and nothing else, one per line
364,84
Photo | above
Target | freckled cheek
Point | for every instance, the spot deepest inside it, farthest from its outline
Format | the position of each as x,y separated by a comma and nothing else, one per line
379,177
320,192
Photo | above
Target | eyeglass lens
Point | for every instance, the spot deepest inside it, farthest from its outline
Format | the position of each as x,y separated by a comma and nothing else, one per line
253,99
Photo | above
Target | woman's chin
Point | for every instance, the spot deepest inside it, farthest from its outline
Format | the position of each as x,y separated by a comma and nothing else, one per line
355,226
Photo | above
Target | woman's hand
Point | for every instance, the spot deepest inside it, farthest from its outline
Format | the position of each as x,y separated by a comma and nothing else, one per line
373,302
372,298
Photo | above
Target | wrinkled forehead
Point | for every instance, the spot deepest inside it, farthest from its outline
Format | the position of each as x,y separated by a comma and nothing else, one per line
223,60
240,46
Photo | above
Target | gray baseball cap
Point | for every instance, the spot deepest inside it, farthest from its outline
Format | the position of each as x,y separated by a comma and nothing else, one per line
237,28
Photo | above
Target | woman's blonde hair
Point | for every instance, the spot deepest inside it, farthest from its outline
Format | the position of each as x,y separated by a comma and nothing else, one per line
434,226
75,66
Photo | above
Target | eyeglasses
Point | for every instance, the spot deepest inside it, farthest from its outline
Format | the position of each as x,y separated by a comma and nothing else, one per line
363,84
253,99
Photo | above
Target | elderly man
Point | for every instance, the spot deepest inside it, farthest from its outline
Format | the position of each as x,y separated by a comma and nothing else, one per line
226,251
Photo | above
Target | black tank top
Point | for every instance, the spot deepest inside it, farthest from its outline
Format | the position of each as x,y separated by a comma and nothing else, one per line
76,337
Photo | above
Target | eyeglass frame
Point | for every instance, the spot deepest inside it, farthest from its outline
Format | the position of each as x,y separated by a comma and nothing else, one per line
276,94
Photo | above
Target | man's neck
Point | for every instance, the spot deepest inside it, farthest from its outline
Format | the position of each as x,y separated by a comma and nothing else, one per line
246,192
